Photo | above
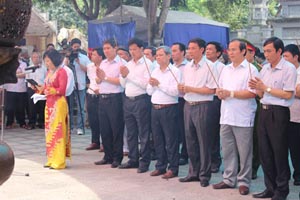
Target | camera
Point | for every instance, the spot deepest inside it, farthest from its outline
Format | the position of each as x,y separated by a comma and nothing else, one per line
73,55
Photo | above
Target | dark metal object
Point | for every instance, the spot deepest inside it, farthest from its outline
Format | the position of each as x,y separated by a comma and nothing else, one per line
7,162
14,19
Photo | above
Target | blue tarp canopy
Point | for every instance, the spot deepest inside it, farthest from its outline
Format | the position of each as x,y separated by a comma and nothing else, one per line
181,32
99,32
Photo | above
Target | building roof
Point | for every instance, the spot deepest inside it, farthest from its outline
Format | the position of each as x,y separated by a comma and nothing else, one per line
175,16
130,13
39,25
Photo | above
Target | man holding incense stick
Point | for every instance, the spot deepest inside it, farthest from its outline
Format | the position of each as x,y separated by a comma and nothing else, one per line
164,114
198,88
137,107
237,119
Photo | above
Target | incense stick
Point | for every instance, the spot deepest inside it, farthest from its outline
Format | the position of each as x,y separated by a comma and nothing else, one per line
173,75
212,74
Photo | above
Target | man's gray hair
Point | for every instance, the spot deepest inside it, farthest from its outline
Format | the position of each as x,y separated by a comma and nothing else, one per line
166,49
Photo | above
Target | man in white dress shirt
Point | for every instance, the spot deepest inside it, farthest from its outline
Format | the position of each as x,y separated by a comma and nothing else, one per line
237,118
14,98
276,88
111,105
137,107
92,98
179,61
198,87
213,52
36,111
164,115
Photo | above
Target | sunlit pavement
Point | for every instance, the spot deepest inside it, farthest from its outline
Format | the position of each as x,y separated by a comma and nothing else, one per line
82,180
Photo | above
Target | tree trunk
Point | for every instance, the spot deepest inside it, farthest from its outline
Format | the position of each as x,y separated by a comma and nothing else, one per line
92,9
150,7
161,21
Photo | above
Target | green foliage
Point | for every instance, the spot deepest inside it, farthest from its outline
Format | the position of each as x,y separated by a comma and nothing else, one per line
232,12
273,6
63,12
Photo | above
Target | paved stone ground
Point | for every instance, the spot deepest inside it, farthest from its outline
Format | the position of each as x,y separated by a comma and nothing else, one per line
82,180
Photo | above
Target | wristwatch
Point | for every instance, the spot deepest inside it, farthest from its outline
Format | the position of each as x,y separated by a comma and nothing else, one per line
268,90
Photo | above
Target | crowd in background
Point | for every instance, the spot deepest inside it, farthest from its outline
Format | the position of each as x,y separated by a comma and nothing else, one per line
177,105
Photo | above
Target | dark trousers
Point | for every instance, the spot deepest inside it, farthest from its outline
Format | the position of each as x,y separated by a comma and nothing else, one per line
273,149
77,98
14,106
294,147
92,105
36,111
255,158
183,151
198,140
164,123
111,126
137,116
214,128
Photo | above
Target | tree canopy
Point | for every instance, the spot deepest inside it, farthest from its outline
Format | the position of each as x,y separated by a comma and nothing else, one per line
75,13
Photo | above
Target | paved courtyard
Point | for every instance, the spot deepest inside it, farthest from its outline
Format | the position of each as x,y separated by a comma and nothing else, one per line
82,180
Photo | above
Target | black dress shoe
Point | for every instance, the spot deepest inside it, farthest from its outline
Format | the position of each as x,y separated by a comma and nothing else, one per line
115,164
41,126
102,162
221,185
278,197
189,179
183,161
263,195
128,166
254,176
30,127
297,182
142,170
204,183
214,170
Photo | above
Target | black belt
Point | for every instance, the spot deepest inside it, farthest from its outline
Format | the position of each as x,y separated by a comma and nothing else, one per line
272,107
93,95
161,106
107,96
137,97
194,103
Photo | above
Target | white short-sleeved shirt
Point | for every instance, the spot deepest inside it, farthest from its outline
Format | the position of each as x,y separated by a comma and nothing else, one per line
199,75
111,69
135,83
181,67
283,76
167,91
39,75
238,112
71,82
91,73
295,108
